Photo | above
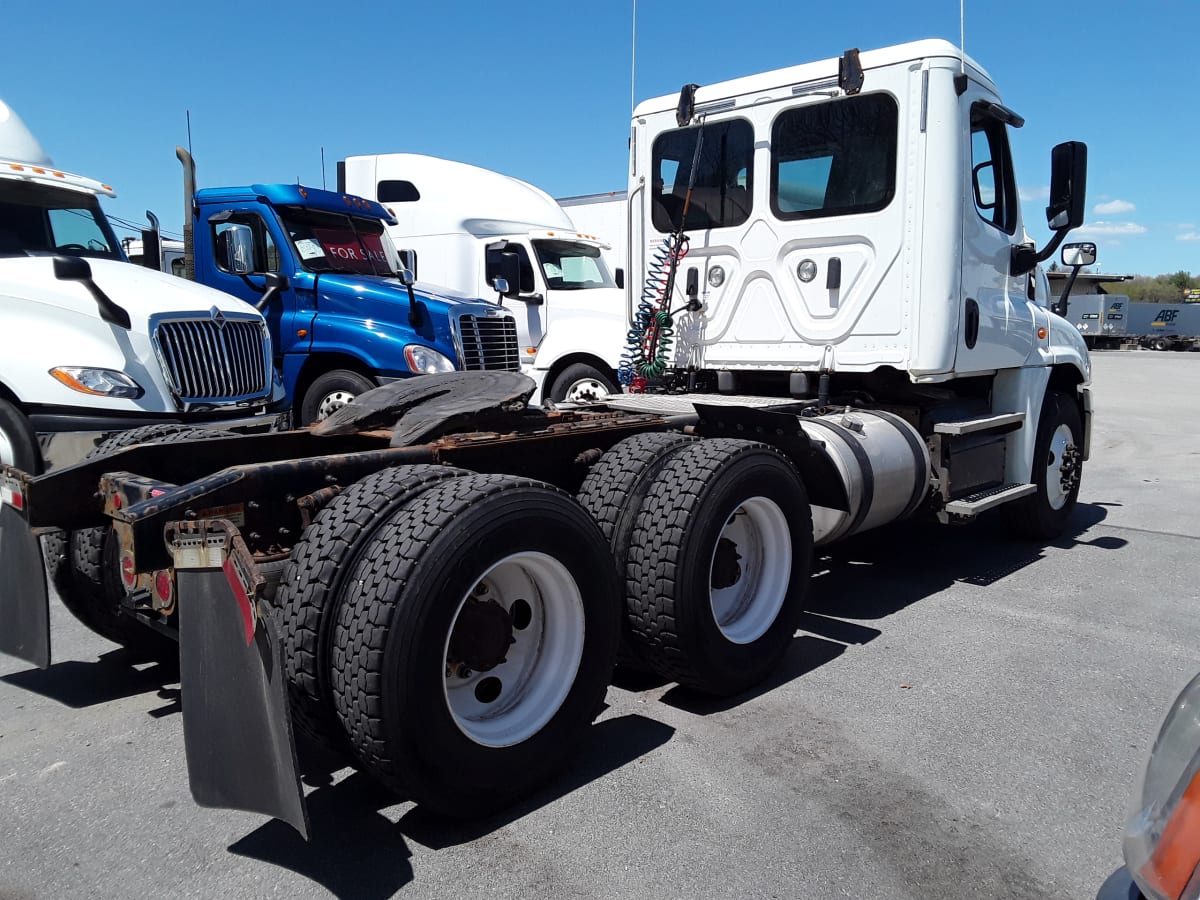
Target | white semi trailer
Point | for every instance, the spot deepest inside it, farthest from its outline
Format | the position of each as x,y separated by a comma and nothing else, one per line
837,324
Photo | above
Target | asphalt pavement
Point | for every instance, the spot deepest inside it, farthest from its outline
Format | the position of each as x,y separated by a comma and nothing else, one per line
963,715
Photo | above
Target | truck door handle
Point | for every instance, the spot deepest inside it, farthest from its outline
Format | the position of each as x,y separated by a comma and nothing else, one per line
833,274
972,323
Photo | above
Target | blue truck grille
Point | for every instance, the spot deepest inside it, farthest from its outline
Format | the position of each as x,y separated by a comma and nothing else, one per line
489,342
214,358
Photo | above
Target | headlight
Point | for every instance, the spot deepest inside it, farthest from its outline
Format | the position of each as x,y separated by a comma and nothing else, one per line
98,382
424,361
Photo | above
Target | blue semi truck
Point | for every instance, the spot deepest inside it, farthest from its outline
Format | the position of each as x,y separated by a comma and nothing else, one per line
339,302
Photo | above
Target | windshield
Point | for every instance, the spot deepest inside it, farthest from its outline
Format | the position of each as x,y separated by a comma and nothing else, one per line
570,266
331,242
37,220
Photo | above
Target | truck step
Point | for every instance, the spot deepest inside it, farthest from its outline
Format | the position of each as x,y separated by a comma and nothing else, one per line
974,504
997,424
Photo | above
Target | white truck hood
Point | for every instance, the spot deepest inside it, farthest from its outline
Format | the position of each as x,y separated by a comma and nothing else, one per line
140,291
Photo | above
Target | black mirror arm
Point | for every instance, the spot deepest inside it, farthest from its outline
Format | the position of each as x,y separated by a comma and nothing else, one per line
1060,307
273,283
1024,257
414,308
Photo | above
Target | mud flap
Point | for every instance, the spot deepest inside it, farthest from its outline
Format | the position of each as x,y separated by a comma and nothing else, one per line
24,597
237,727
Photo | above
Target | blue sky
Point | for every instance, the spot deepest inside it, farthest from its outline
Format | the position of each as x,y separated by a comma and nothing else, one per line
541,90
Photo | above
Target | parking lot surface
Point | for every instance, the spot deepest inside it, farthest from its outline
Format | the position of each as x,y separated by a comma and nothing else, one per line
963,715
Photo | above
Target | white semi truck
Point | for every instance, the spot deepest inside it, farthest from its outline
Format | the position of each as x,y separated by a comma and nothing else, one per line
838,324
457,224
96,345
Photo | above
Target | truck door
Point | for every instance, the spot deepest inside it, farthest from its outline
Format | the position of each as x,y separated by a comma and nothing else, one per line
289,324
530,316
997,323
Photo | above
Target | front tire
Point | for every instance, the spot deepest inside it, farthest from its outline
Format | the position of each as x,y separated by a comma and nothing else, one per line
475,641
1057,472
719,565
330,392
582,383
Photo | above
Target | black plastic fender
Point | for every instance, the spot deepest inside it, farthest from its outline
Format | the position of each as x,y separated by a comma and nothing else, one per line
237,727
24,595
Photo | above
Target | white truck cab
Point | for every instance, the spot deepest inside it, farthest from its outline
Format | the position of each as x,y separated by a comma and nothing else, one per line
851,229
97,345
463,227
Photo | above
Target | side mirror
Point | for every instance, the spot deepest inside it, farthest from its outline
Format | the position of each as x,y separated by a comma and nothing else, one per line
1076,256
1083,254
72,268
1068,186
619,277
508,271
240,245
408,259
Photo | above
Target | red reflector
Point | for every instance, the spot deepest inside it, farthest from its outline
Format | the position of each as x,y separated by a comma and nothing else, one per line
18,501
243,601
128,572
162,585
116,501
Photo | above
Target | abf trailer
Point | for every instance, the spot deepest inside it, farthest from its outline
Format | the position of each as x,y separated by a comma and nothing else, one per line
435,579
459,224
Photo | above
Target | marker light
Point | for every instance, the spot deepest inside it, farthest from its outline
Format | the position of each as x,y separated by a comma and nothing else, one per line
97,382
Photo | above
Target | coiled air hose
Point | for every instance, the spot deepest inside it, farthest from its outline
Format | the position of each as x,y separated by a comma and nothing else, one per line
648,341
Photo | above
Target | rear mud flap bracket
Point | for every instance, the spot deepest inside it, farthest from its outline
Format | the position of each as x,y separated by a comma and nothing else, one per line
237,727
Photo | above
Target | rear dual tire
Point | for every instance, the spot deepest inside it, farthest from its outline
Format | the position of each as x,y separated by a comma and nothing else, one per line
474,641
718,565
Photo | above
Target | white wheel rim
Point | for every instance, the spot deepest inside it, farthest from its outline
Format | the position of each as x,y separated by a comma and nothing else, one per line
8,455
1055,463
540,666
745,609
332,402
585,389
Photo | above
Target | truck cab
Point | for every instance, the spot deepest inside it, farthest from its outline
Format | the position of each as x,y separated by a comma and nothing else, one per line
324,271
97,345
464,227
853,227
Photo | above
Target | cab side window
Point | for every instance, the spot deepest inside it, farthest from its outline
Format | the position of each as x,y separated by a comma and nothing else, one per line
835,158
266,254
992,177
723,184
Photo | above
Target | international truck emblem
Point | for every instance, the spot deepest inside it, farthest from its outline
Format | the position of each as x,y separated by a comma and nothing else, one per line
217,316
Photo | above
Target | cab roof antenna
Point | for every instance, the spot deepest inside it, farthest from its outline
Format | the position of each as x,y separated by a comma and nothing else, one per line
960,80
